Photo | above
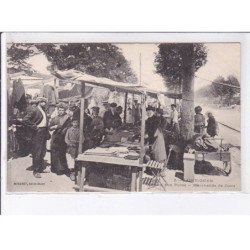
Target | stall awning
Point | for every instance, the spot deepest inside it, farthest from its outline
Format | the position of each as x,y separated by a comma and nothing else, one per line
74,75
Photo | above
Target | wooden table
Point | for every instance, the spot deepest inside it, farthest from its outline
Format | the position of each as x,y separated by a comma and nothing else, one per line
108,161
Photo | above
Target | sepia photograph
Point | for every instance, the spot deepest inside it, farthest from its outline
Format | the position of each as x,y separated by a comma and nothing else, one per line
123,117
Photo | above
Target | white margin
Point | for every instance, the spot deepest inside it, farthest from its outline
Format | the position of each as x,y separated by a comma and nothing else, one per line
136,203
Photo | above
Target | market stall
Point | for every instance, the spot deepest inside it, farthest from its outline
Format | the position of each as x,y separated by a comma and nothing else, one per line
125,147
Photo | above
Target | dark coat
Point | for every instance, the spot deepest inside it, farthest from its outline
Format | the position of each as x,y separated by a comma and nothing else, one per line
151,127
212,126
33,117
111,120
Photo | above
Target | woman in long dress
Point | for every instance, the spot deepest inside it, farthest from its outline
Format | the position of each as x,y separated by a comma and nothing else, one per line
212,125
154,131
59,124
158,148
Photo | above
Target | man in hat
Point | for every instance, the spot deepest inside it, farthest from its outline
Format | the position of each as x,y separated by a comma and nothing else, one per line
175,119
104,109
137,112
110,117
96,127
37,120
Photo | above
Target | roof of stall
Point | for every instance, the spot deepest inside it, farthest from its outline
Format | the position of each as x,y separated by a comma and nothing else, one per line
74,75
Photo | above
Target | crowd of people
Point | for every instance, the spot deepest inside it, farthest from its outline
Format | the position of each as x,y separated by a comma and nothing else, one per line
62,129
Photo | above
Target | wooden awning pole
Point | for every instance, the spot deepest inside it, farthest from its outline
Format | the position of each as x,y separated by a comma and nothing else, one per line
82,111
125,107
133,109
143,118
142,142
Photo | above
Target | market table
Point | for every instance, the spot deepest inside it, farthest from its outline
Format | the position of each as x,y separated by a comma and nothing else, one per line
83,159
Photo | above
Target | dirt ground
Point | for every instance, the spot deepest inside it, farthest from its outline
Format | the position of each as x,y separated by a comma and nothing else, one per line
22,180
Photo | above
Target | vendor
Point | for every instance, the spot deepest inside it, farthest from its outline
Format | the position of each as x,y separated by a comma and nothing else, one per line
96,127
110,118
151,125
118,121
104,108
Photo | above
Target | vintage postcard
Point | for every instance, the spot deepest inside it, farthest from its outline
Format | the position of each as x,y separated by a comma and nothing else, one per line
122,116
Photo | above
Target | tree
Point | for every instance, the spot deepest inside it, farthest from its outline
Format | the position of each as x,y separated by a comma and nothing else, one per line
177,64
17,54
231,91
218,88
98,59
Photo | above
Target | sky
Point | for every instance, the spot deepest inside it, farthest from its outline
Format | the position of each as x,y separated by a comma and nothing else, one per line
222,59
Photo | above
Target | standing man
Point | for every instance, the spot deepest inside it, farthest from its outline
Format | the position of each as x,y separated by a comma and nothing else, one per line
137,112
104,109
175,119
96,127
37,120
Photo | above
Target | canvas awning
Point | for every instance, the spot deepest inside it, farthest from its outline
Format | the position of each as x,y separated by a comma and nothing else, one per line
74,75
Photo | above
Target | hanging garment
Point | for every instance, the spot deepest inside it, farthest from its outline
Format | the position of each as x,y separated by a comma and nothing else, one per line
18,99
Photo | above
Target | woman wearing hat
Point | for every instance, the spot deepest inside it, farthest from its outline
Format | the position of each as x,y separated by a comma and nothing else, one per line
59,126
110,117
199,120
154,133
212,125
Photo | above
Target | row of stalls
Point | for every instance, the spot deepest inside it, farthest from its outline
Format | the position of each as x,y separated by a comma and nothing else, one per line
118,163
122,151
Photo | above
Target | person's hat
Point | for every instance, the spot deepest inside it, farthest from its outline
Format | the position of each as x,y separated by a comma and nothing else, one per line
62,105
150,108
95,108
113,105
42,99
173,105
72,107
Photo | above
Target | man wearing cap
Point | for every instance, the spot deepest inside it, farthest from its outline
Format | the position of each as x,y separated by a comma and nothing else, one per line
37,120
110,117
96,127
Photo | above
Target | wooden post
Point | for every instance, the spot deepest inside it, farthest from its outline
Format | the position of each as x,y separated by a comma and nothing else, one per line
125,107
133,109
82,111
142,142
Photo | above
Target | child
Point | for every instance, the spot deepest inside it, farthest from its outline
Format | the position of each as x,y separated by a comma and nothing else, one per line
72,141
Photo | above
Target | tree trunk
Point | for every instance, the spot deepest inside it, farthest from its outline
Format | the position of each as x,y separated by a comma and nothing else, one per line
187,109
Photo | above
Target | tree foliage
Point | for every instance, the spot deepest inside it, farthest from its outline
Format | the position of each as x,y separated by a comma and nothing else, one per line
174,60
101,60
219,88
